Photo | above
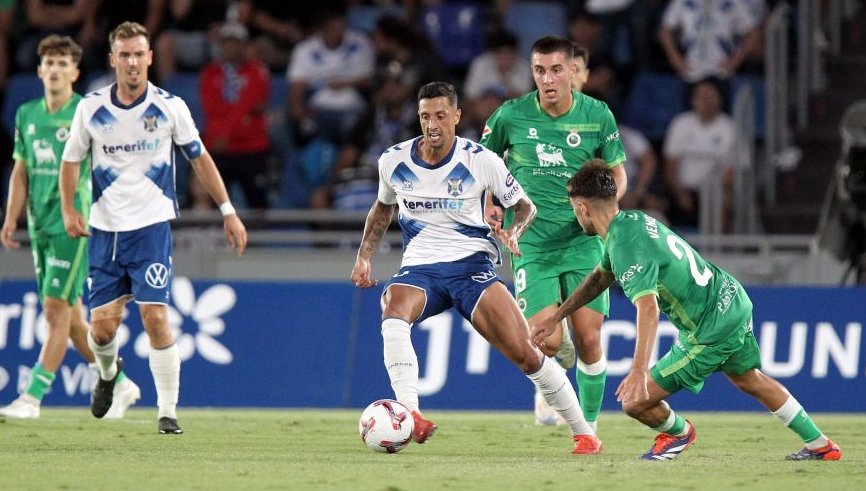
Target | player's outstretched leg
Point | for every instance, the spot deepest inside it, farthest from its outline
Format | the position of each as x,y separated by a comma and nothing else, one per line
401,362
554,385
775,397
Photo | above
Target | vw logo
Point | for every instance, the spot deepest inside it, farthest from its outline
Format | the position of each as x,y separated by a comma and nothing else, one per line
156,275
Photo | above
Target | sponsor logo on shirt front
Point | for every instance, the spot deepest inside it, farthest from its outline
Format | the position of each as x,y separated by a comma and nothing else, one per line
442,204
43,150
549,155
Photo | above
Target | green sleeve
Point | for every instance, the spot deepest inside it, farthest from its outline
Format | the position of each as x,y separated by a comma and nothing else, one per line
495,135
19,152
611,150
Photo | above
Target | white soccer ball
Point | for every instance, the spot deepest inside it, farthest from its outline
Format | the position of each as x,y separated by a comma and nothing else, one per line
386,426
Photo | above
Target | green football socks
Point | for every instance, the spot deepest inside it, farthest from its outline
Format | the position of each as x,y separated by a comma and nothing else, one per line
40,381
792,415
591,391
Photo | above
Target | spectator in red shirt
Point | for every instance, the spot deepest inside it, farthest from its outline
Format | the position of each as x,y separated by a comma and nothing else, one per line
234,96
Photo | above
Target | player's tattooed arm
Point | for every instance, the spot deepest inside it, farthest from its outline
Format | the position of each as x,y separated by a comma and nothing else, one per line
378,221
524,213
597,282
592,286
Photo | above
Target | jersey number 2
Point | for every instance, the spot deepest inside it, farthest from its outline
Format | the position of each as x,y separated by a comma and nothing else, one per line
678,247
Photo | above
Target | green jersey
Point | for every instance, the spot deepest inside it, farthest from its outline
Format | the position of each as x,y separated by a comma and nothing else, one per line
698,297
543,152
39,140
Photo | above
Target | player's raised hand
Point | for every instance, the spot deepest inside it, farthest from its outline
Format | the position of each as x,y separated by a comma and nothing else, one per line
361,273
74,223
6,235
542,330
633,387
236,233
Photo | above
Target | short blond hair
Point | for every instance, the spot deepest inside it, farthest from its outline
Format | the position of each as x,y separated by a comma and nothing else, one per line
59,45
127,30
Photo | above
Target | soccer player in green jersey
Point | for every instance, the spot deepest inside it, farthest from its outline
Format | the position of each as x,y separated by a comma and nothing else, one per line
41,130
659,271
545,136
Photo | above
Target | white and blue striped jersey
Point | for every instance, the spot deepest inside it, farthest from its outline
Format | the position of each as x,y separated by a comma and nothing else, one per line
133,155
441,206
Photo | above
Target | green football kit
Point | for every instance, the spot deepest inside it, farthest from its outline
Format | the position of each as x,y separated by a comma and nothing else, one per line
543,152
60,261
708,306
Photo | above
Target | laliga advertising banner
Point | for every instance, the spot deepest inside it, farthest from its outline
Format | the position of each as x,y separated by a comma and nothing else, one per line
284,344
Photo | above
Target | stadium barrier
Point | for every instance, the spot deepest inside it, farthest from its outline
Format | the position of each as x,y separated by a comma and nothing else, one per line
317,344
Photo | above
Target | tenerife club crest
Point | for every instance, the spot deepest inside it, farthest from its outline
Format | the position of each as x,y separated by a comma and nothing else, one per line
455,186
150,122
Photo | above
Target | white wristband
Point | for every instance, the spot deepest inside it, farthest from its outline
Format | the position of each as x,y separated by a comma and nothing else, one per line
227,209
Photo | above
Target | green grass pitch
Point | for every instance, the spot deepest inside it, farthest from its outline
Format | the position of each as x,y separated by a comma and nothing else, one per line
321,450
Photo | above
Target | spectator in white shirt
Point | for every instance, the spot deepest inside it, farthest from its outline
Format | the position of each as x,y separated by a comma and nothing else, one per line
327,78
710,38
698,147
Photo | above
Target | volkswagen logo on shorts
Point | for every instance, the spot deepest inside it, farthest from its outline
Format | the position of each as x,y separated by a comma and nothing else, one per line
156,275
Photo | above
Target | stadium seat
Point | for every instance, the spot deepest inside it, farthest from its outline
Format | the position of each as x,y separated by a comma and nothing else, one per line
456,30
186,86
532,20
655,99
21,88
756,83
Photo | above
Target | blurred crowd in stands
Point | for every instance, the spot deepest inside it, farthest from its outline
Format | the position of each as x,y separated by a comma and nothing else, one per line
297,100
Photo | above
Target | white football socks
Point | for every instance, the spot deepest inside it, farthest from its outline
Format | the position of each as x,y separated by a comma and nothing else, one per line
165,367
106,357
559,394
401,361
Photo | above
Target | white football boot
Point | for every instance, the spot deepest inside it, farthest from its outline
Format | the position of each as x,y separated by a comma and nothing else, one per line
25,407
126,393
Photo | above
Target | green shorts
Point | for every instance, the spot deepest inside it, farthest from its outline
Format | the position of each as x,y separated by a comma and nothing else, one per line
61,266
687,365
543,279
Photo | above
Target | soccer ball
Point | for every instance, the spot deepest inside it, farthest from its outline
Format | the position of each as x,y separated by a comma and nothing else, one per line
386,426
